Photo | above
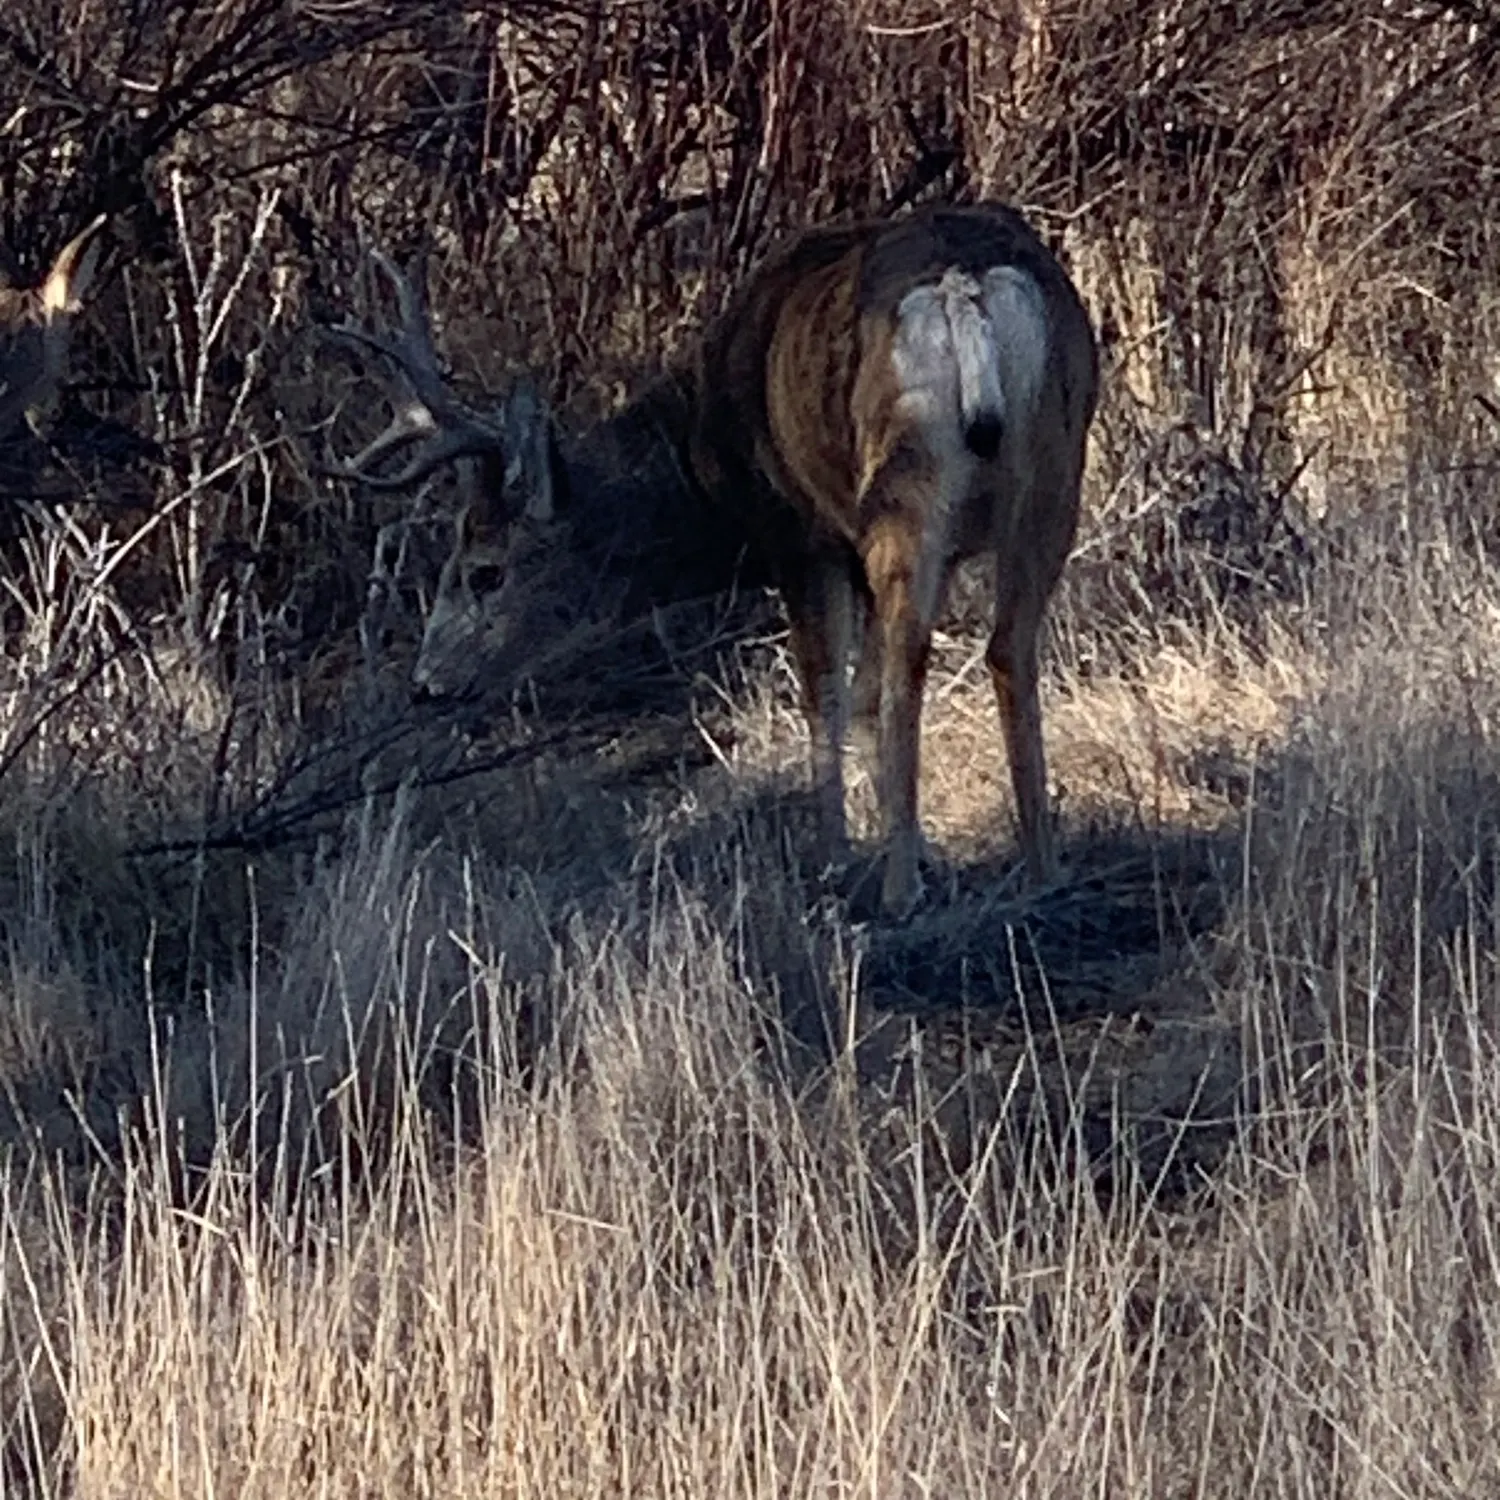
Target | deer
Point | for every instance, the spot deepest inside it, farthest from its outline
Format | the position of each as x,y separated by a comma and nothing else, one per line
35,331
877,403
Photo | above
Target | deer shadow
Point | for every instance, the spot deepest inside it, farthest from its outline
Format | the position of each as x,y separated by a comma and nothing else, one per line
1085,1005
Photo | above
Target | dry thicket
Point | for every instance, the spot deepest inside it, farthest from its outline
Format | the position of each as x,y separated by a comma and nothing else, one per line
1272,207
401,1103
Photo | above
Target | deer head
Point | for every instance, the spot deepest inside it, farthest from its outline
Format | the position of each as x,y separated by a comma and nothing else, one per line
506,460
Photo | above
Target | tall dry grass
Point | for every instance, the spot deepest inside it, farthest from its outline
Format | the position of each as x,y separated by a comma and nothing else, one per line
472,1173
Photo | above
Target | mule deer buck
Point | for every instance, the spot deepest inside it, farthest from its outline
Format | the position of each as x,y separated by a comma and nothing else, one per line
35,329
878,403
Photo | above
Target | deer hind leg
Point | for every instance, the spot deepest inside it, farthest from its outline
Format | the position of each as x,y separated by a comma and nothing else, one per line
1028,564
820,610
1012,658
902,638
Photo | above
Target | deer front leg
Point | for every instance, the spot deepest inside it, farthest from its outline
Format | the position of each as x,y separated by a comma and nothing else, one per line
820,610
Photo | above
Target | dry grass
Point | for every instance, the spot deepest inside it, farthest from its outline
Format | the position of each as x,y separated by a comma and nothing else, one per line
566,1137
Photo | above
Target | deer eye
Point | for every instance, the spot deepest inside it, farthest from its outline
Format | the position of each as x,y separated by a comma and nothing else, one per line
486,578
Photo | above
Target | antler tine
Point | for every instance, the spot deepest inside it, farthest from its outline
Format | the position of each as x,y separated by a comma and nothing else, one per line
414,350
410,423
68,281
426,410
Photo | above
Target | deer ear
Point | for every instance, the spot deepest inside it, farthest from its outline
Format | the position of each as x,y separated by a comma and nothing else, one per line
472,527
68,281
530,453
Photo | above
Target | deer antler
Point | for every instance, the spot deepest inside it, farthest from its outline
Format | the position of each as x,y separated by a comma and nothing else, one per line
68,281
423,406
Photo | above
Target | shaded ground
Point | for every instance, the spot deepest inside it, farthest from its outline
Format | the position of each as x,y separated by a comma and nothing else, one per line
1089,1007
1092,1007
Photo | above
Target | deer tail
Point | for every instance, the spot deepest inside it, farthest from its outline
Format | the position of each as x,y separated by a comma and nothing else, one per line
980,397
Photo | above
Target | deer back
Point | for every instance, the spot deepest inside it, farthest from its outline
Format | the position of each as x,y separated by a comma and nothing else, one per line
800,401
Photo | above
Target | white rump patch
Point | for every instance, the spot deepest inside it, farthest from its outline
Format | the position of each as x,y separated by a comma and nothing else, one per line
980,397
1017,314
922,357
968,352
